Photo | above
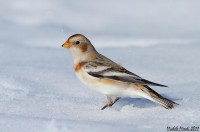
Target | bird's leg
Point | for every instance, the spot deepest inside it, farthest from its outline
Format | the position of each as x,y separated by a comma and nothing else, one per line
115,100
110,102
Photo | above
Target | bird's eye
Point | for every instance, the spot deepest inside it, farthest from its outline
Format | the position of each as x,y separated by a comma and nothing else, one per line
77,42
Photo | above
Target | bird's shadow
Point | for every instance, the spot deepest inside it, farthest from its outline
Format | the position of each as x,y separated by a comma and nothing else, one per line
140,102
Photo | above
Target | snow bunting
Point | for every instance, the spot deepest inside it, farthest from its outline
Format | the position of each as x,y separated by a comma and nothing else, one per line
107,77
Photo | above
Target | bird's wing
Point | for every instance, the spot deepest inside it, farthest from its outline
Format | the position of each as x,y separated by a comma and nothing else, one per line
103,67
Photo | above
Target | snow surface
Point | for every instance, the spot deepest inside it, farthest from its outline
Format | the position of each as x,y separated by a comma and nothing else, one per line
45,23
39,92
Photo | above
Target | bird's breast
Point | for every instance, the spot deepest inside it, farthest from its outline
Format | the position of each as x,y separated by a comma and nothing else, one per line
87,79
78,67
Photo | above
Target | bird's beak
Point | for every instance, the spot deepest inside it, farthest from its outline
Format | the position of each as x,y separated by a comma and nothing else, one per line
66,45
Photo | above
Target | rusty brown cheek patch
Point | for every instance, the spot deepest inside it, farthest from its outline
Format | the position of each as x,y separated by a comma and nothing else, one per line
83,48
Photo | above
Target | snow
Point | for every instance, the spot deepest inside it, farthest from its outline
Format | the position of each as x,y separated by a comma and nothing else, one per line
39,91
48,22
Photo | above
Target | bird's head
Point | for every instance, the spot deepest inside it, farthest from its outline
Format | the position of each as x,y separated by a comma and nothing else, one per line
79,46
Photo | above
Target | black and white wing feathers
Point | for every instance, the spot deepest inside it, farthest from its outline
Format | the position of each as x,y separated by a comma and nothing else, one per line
103,67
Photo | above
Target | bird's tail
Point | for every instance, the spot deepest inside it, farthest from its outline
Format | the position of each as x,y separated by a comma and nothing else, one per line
155,97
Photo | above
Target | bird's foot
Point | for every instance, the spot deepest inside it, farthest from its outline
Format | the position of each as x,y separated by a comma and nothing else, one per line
110,104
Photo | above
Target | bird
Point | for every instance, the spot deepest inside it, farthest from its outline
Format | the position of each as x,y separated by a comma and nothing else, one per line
109,78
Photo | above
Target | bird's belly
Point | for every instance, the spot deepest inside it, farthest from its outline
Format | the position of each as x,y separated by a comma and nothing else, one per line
106,86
